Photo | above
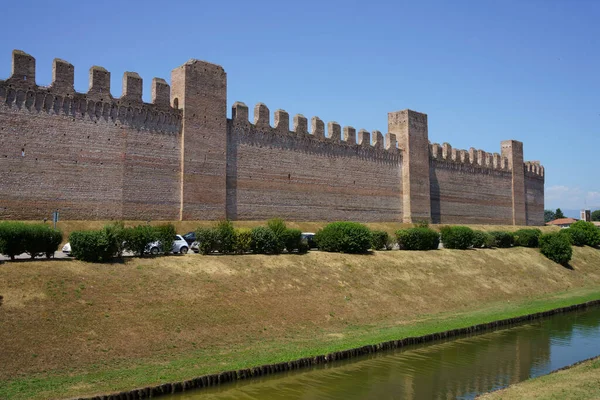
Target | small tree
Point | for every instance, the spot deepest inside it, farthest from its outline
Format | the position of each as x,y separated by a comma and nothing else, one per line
584,233
277,226
379,240
208,240
596,215
549,215
264,241
558,214
225,237
557,247
457,237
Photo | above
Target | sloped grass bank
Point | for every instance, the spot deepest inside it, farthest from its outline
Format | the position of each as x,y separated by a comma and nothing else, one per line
75,329
580,381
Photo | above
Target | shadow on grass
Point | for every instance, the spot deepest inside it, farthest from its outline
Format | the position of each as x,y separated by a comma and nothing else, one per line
568,266
27,260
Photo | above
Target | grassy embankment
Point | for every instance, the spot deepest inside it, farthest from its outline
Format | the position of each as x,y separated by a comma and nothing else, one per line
580,382
69,328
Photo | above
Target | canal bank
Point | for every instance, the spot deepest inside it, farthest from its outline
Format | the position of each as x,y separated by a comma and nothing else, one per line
149,322
580,381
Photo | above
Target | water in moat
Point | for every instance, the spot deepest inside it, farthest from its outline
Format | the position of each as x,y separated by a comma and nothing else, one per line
460,368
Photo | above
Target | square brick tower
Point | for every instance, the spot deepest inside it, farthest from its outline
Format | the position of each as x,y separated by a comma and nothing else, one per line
200,89
513,150
410,128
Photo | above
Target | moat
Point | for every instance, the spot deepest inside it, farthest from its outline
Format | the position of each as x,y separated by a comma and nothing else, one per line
461,368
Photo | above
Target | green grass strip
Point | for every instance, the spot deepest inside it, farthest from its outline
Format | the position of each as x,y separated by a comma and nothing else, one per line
125,375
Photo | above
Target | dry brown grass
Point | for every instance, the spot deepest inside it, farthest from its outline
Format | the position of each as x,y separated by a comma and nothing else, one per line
64,315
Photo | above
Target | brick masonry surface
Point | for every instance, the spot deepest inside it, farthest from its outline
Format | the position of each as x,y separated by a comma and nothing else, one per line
94,156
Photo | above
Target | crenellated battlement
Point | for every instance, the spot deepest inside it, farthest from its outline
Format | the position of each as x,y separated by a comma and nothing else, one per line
20,92
533,168
333,135
474,158
106,154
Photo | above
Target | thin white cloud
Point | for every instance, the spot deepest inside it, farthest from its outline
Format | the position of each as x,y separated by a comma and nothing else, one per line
567,197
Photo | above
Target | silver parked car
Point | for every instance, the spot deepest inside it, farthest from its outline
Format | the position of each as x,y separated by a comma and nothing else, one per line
180,246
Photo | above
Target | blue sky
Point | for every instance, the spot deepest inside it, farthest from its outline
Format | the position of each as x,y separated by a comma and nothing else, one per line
483,71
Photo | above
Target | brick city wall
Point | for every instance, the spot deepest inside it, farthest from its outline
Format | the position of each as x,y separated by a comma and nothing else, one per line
88,155
93,156
297,175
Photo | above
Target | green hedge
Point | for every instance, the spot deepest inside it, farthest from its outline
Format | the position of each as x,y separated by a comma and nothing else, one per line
165,235
527,237
263,241
503,239
138,237
420,238
380,240
94,246
457,237
557,247
243,240
208,240
345,237
584,233
279,229
293,241
483,239
272,239
34,239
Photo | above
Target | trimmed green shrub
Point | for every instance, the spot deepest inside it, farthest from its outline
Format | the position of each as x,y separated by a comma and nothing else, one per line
117,232
165,235
345,237
93,246
527,237
293,240
584,233
264,240
420,238
52,241
40,239
380,240
208,240
502,239
12,238
482,239
138,238
277,225
243,240
577,237
225,237
557,247
457,237
34,239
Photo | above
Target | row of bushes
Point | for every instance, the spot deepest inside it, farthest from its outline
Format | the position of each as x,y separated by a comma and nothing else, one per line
110,242
350,237
274,238
34,239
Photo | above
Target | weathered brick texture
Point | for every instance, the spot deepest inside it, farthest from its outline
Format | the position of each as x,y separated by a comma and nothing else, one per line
93,156
89,158
299,176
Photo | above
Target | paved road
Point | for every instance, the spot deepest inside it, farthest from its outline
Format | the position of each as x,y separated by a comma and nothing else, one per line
57,255
25,256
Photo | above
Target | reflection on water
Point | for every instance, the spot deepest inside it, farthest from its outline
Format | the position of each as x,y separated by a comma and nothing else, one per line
460,368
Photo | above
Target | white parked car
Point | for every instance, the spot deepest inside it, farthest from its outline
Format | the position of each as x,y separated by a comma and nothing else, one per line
67,249
195,247
180,246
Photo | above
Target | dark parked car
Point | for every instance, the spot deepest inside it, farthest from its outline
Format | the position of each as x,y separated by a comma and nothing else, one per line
190,238
309,238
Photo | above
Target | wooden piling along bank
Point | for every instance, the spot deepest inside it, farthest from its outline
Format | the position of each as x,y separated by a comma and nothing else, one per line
269,369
